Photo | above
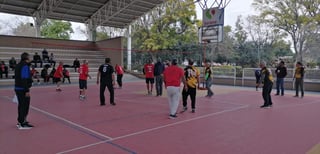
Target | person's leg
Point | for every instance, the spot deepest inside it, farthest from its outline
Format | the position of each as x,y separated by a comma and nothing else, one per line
111,91
170,99
265,95
302,88
185,94
193,92
23,106
296,86
151,85
160,85
157,85
69,79
269,94
278,86
102,89
175,100
120,80
282,86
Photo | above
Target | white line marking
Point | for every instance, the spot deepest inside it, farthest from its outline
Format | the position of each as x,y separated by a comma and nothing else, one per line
70,122
156,128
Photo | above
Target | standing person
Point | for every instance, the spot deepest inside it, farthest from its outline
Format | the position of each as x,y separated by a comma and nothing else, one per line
257,74
23,83
192,77
173,76
119,72
267,81
83,76
76,64
66,74
106,78
208,79
158,73
45,55
148,70
281,72
12,63
298,76
58,74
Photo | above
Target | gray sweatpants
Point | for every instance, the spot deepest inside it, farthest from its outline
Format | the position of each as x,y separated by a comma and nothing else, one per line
173,98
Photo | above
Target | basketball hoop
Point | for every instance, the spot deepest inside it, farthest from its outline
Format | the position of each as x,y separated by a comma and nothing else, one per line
206,4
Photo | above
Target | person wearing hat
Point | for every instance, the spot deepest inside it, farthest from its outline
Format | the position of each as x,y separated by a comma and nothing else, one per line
192,75
173,75
267,81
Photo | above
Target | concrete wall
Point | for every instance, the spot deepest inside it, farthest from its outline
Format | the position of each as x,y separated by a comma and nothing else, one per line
112,48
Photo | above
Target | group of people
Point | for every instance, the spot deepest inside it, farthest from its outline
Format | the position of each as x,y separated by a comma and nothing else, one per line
4,69
172,75
264,76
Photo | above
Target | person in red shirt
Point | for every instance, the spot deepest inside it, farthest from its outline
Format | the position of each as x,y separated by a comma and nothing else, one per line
148,70
119,71
58,75
83,76
173,75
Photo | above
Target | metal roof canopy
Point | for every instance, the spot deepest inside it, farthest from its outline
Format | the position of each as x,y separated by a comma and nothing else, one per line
112,13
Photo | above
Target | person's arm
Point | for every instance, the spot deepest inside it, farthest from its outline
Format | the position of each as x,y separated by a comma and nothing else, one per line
98,76
113,79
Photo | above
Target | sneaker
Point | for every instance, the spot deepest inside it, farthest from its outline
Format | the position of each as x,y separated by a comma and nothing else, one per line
172,116
193,111
24,126
263,106
28,124
276,94
113,104
58,90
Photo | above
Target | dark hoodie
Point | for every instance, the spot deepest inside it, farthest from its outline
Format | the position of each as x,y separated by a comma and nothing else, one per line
23,79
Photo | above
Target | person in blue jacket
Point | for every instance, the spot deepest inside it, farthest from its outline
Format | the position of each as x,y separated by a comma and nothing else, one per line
23,83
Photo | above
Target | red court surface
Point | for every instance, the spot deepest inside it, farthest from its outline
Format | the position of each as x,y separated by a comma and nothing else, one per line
229,123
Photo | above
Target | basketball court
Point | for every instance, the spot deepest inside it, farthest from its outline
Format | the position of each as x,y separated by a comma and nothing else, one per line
229,122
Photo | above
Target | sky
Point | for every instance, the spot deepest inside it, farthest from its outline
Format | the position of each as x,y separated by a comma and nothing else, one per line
232,11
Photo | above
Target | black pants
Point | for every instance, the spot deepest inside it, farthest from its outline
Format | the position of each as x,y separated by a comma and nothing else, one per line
23,106
192,92
119,79
299,85
266,91
102,90
64,78
159,81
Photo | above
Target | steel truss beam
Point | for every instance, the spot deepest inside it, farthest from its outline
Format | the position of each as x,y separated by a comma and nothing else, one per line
206,4
45,8
111,9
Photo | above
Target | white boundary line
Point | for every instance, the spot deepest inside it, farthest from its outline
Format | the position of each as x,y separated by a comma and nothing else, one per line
156,128
70,122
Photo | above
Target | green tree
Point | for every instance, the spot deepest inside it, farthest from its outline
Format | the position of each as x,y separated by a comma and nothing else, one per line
168,25
56,29
299,19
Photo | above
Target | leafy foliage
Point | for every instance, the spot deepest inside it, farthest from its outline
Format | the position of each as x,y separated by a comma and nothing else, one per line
56,29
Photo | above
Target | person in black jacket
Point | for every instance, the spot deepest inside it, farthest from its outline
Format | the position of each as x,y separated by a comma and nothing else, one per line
158,73
281,73
23,83
267,81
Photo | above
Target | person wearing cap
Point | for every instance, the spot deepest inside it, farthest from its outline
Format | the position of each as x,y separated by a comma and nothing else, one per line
281,73
173,75
192,75
267,81
23,83
298,76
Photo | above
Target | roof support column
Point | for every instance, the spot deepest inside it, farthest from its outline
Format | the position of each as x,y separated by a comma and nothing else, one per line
37,24
129,49
92,31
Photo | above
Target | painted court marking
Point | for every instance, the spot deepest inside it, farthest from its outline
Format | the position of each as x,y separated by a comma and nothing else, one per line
155,128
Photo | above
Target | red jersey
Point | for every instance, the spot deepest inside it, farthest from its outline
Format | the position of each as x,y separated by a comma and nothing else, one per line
149,70
58,73
119,70
172,76
84,71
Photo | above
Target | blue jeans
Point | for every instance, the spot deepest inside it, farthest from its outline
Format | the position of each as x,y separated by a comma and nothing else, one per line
280,82
208,85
